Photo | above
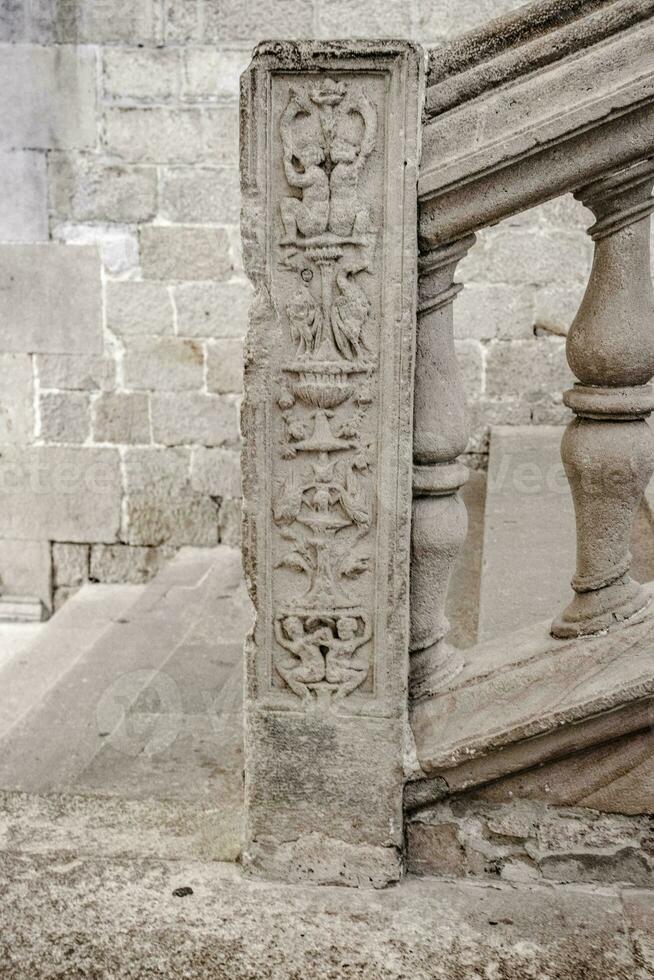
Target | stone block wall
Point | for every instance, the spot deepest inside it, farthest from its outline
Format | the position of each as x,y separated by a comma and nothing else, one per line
527,841
123,300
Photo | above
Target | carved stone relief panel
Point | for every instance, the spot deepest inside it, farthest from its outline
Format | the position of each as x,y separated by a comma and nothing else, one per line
329,163
328,206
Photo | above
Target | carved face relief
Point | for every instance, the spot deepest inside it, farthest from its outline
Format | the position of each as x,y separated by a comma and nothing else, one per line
324,472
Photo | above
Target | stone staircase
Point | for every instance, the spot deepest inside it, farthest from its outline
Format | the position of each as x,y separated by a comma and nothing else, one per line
120,727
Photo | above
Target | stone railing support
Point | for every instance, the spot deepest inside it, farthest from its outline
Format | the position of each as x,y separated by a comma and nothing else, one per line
608,449
330,144
439,523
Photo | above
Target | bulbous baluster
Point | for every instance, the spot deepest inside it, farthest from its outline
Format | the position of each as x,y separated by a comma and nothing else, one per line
439,523
608,449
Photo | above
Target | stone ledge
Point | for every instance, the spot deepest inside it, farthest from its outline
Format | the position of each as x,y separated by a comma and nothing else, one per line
527,699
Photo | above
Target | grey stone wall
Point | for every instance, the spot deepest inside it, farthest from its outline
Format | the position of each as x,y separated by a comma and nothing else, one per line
529,841
123,300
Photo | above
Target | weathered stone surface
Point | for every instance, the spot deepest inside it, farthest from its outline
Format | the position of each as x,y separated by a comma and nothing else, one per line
216,472
443,20
192,417
462,605
212,309
200,194
529,540
535,370
117,244
12,21
68,915
83,190
230,522
120,563
555,307
370,18
479,167
50,299
638,907
16,399
64,416
61,493
163,364
161,507
23,197
329,353
70,564
92,21
613,777
185,253
440,435
166,135
526,699
523,841
77,372
48,98
149,74
211,74
139,308
489,311
121,417
225,366
26,569
230,20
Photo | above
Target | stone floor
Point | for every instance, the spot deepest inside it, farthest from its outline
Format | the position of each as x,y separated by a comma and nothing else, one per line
16,637
66,916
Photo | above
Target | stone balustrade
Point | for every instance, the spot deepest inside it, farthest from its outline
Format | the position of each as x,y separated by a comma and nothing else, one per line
440,434
608,449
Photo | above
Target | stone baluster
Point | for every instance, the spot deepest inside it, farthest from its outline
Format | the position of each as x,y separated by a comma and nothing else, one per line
608,449
439,520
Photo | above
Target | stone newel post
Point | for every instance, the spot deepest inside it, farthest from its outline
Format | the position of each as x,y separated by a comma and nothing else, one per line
608,450
330,138
440,434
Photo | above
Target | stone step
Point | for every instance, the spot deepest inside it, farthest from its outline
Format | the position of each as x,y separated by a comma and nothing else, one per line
15,637
529,532
38,666
149,711
526,700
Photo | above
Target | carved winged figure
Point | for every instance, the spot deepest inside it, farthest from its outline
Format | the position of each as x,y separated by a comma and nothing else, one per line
348,315
304,154
353,500
288,500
